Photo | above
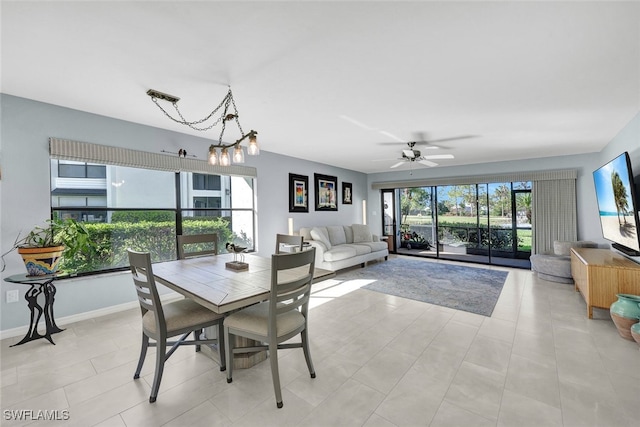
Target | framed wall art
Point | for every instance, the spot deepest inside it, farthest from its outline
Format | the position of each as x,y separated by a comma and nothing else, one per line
326,192
347,193
298,193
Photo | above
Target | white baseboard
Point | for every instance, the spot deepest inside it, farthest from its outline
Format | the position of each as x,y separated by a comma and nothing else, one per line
22,330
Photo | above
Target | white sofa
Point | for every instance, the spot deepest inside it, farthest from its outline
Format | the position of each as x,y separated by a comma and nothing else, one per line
342,246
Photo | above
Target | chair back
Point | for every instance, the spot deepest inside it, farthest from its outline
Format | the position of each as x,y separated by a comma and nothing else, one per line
291,277
288,240
145,284
209,241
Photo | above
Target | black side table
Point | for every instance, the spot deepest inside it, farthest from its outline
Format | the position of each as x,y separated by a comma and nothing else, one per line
38,285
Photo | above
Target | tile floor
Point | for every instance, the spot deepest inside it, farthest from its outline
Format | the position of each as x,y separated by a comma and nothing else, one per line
380,361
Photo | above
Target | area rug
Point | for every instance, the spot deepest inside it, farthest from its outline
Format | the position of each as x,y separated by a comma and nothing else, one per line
471,289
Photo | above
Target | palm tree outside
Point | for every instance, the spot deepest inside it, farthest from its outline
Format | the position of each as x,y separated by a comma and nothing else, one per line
619,196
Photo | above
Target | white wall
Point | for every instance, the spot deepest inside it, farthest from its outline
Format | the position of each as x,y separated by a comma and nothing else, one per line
26,126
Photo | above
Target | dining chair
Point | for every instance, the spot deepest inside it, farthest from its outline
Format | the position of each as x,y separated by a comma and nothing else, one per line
184,242
163,321
209,241
280,318
288,240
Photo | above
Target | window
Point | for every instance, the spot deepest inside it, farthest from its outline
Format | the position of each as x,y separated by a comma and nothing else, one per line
69,169
206,182
140,208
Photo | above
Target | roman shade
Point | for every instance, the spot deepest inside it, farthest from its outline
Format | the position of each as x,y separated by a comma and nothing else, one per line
549,175
64,149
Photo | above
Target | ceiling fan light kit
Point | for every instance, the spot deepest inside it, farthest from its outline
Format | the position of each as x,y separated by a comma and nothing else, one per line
224,112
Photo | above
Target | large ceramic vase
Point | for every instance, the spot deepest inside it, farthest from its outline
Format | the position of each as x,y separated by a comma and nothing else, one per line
635,332
41,261
625,312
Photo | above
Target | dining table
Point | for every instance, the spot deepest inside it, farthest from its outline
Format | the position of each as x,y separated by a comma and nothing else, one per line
209,281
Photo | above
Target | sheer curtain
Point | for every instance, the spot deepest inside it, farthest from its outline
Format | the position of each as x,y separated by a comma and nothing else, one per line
553,213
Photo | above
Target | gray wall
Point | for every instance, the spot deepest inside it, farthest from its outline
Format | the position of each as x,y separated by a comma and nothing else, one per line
628,139
26,126
24,189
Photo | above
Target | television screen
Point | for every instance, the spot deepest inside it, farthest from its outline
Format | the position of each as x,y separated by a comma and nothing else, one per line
617,205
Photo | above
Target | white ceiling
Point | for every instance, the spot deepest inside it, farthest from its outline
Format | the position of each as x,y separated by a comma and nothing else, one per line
330,81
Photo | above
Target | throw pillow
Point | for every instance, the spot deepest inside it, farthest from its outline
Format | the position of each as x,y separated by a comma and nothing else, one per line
336,235
319,235
361,233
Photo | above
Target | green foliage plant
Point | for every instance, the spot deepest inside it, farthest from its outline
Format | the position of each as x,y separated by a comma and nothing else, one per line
71,234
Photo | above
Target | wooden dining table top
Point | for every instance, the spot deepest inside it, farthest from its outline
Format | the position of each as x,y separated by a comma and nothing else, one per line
209,282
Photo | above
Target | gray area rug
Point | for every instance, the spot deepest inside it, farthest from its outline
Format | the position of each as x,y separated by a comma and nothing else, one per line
471,289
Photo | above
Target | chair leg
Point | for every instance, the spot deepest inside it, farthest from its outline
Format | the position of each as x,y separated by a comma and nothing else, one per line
143,354
196,336
161,349
228,354
307,352
275,374
221,350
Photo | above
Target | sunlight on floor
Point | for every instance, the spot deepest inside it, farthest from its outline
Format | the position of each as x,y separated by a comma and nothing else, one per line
330,289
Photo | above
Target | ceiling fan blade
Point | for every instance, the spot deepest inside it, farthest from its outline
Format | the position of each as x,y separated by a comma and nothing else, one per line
409,153
396,165
454,138
438,156
428,163
390,135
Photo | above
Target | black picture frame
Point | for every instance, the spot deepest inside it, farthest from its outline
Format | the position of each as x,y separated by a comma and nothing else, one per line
347,193
326,192
298,193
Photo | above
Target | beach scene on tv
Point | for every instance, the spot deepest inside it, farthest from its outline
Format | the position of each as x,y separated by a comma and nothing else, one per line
615,203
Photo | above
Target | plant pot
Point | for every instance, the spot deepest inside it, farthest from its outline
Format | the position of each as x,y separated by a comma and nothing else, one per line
624,313
41,261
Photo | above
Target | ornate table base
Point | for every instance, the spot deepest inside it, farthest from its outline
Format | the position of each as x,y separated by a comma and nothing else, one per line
38,285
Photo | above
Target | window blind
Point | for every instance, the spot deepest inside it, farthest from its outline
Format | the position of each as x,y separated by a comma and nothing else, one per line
64,149
549,175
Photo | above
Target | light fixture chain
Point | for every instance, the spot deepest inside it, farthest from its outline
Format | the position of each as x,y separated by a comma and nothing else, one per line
235,109
191,124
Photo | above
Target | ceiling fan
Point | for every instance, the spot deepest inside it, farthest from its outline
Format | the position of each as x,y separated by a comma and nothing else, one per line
411,155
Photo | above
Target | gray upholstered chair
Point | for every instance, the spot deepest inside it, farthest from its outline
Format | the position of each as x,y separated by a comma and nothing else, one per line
556,266
163,321
209,240
279,319
287,240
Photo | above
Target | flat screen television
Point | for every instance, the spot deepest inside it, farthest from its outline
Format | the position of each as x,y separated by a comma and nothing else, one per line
617,204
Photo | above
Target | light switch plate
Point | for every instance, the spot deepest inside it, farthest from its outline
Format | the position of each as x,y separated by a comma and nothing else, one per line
12,296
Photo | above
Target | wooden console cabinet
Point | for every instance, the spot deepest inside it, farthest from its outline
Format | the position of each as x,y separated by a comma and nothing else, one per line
600,274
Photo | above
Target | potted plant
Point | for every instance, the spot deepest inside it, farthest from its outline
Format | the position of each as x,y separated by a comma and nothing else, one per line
43,248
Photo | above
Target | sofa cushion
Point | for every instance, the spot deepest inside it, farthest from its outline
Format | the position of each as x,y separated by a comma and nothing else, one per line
320,234
340,252
336,235
360,248
375,246
305,232
348,232
361,233
564,248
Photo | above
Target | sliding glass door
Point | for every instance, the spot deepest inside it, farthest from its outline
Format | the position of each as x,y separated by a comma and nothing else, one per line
484,223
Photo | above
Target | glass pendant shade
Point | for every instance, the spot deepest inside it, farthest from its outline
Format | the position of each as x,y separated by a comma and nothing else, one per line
253,148
225,160
238,154
213,156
